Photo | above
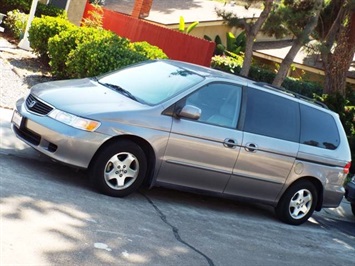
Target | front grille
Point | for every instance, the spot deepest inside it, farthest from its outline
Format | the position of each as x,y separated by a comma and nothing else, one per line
37,106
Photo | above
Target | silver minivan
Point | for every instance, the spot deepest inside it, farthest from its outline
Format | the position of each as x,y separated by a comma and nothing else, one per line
169,123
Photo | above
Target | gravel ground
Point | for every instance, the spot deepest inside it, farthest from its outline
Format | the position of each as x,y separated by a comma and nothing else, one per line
19,70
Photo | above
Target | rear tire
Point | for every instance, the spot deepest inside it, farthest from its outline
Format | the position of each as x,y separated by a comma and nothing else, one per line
119,169
298,203
353,208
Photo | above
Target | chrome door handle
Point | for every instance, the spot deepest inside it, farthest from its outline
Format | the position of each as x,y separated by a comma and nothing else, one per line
230,143
251,147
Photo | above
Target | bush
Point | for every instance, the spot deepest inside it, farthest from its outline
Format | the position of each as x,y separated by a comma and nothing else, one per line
44,28
81,52
105,52
234,65
25,6
344,107
16,22
261,74
64,43
227,63
95,19
9,5
59,47
48,10
147,50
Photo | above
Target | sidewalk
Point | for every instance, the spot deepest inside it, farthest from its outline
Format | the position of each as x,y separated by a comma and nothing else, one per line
19,70
12,86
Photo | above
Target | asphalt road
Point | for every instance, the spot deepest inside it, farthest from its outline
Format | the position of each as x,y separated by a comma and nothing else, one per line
50,215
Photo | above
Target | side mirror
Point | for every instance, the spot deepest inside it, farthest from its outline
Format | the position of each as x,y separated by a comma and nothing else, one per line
190,112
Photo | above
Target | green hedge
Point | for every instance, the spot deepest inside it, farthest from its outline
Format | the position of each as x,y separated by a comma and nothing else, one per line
147,50
234,65
25,6
79,52
104,53
60,45
42,29
9,5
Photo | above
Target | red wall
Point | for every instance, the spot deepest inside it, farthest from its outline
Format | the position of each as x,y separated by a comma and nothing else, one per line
176,45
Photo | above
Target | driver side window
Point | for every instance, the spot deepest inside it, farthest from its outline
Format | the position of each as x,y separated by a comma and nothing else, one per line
219,104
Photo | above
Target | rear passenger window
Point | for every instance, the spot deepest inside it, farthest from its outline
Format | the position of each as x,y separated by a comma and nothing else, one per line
271,115
318,129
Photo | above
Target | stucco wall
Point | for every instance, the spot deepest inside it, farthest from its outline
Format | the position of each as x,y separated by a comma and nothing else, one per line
218,28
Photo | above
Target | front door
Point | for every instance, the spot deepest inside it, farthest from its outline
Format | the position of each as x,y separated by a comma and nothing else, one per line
201,153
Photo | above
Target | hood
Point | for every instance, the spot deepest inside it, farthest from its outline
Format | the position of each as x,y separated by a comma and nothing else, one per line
83,97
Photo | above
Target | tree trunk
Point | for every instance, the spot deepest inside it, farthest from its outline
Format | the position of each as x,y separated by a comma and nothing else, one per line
297,45
248,55
336,64
286,63
250,37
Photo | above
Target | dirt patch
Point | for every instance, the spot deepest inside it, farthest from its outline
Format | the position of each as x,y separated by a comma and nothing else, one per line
26,64
20,70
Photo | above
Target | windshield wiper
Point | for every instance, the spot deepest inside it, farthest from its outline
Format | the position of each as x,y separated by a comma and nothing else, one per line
120,90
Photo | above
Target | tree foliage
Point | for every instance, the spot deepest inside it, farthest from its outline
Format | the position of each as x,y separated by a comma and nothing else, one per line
251,27
294,18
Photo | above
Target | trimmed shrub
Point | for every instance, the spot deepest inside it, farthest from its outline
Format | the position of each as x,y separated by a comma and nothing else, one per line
105,52
59,47
148,50
25,6
16,22
64,43
44,28
49,10
81,52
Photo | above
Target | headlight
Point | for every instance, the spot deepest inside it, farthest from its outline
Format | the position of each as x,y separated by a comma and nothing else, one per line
74,121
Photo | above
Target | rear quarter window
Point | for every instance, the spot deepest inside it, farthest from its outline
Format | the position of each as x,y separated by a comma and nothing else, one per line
271,115
318,129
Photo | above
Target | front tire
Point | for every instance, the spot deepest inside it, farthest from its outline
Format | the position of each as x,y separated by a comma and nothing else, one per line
119,169
298,203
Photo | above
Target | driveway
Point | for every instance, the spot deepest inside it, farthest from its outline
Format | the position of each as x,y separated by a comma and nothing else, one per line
50,215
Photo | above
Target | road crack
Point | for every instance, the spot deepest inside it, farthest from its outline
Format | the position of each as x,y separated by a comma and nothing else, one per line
176,230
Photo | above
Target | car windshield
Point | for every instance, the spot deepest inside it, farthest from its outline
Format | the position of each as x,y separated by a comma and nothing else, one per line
153,82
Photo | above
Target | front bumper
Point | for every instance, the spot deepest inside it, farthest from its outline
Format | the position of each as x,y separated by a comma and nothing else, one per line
350,191
59,141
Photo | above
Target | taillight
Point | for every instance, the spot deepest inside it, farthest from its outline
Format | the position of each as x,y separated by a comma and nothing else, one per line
347,168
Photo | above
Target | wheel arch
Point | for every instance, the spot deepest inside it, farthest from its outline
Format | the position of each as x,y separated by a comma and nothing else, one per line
318,185
146,147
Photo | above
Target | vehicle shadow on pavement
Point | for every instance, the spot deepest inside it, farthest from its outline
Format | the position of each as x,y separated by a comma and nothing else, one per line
72,223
